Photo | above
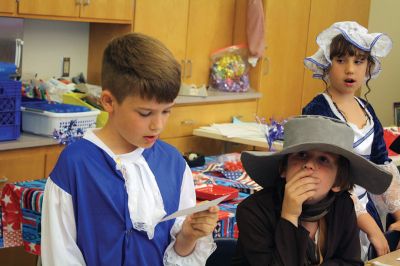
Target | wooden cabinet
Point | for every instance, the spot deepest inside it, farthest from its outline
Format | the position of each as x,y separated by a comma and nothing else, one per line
8,7
282,68
119,11
28,164
191,29
185,118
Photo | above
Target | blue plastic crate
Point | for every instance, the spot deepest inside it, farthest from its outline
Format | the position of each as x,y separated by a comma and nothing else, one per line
10,125
10,88
6,70
10,105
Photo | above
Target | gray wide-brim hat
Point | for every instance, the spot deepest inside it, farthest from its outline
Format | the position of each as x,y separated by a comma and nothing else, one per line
378,44
303,133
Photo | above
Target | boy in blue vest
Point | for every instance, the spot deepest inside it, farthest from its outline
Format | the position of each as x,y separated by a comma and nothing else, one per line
108,192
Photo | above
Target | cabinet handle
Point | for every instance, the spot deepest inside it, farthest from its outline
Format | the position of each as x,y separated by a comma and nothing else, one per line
188,122
4,179
189,62
265,66
86,2
78,2
183,63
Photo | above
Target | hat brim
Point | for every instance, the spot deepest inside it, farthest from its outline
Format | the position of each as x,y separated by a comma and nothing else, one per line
263,167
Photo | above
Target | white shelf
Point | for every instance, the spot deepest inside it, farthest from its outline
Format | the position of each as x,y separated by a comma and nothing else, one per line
218,96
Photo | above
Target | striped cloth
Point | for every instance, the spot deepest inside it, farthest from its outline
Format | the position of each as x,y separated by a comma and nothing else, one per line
21,209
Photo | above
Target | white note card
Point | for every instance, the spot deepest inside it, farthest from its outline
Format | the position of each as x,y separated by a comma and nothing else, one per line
198,208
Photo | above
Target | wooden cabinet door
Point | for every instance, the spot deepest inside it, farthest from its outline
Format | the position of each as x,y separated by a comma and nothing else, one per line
282,67
52,154
22,164
56,8
105,9
184,119
322,15
210,27
166,21
7,7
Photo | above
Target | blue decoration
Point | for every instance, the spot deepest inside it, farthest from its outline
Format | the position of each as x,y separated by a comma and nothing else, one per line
69,133
273,131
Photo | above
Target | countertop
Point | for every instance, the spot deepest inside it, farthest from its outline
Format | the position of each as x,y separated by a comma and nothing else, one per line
27,141
218,96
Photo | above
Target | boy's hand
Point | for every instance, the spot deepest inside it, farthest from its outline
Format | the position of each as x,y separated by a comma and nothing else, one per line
300,188
380,243
194,227
200,224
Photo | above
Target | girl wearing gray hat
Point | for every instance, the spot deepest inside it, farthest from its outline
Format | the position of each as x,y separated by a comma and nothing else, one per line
349,57
304,215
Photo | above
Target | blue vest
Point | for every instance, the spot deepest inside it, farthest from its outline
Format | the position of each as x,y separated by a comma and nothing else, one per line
105,234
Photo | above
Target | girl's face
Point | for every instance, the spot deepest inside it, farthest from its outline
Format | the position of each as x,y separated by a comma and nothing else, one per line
347,73
324,166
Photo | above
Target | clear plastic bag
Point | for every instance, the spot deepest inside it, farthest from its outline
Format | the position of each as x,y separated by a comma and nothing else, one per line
230,70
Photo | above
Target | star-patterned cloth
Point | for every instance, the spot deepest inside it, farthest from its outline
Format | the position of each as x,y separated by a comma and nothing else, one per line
20,215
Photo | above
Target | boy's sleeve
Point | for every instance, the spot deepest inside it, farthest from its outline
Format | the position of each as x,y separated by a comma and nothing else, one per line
58,230
204,246
262,242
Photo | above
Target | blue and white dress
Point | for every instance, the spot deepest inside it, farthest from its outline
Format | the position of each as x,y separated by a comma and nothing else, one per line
369,143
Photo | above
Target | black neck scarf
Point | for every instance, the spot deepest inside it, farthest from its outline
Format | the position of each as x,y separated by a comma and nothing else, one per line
314,212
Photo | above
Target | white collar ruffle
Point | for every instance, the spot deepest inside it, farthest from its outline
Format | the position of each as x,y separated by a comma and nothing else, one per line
145,203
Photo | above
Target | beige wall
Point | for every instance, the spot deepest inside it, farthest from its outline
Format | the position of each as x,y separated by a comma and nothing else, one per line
46,42
385,17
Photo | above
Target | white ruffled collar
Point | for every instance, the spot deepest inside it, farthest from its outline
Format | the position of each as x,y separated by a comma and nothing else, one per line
145,203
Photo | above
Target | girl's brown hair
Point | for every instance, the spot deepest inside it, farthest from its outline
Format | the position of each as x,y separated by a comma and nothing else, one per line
341,47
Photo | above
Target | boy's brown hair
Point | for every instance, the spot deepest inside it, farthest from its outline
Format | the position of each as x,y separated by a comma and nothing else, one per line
138,65
343,179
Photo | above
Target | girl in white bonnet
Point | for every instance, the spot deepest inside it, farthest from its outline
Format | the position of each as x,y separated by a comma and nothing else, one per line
349,57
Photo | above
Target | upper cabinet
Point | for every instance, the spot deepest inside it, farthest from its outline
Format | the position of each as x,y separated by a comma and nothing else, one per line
106,9
55,8
8,7
117,11
282,68
279,73
191,29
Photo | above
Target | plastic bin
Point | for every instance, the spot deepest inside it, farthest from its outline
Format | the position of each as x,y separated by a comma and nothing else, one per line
76,99
44,118
10,115
6,70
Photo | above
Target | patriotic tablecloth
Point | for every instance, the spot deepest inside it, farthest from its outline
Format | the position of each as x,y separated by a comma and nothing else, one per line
20,215
21,202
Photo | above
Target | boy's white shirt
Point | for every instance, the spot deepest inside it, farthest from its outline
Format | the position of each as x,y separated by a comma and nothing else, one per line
58,236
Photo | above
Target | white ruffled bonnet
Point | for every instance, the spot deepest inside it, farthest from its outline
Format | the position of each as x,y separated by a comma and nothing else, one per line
378,44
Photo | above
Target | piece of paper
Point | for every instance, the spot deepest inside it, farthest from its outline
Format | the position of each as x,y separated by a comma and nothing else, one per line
198,208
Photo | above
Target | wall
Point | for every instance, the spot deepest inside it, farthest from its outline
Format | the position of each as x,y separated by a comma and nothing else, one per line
46,42
384,17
